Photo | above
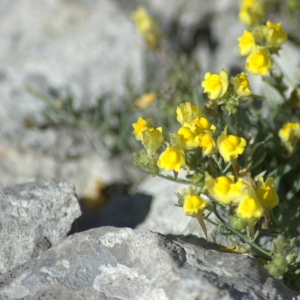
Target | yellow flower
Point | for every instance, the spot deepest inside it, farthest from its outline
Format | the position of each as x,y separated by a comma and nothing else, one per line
289,135
193,204
215,85
241,85
246,43
144,101
188,138
139,126
172,159
251,12
223,189
146,26
259,62
188,113
207,143
274,34
249,207
266,193
202,125
230,146
152,139
245,17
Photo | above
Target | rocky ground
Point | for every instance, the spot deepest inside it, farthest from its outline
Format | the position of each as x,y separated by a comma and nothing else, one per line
38,262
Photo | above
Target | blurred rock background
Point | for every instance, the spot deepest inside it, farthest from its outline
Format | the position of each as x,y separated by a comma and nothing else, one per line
90,48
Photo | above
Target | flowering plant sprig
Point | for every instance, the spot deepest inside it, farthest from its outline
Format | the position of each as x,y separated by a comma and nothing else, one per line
235,159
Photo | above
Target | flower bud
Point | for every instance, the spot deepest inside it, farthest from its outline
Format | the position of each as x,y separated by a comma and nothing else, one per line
277,267
237,223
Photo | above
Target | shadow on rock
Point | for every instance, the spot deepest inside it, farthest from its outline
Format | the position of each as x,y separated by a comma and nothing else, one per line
120,210
194,240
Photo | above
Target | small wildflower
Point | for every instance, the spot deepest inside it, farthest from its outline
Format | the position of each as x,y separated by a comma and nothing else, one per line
266,193
251,12
289,135
144,101
224,189
188,138
152,140
193,204
139,126
241,85
246,43
188,113
207,143
249,207
230,146
274,35
259,62
172,159
146,26
203,125
215,84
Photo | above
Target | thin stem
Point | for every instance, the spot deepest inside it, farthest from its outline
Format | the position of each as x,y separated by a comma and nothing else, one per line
178,180
260,250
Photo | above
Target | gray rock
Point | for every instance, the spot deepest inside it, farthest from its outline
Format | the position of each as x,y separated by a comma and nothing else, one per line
33,217
111,263
92,48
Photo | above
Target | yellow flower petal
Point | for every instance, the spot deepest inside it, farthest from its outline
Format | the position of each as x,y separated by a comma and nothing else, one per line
172,159
259,62
274,34
188,113
193,204
266,193
246,43
249,207
188,138
144,101
241,85
152,140
138,127
223,189
215,85
230,146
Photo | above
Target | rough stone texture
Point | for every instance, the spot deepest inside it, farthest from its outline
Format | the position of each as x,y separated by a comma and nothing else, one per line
111,263
92,48
33,217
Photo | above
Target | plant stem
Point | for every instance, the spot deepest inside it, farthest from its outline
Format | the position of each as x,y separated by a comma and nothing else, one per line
263,253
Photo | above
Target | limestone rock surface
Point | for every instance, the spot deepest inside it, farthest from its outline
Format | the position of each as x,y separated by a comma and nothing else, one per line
88,47
33,217
113,263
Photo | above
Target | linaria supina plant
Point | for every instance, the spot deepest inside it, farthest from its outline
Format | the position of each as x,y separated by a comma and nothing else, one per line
236,158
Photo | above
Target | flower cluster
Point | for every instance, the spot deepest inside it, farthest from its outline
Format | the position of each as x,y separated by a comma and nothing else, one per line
219,89
250,203
227,175
262,41
148,29
251,12
196,132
